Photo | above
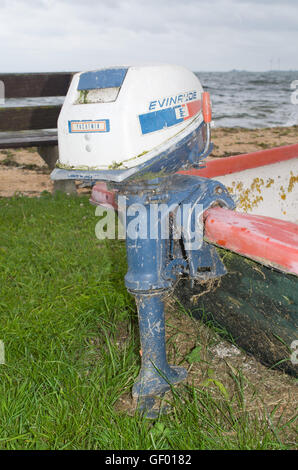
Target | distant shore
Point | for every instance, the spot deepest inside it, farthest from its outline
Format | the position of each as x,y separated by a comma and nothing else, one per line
23,170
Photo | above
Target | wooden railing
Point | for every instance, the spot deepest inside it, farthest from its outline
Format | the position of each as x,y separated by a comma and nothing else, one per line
34,126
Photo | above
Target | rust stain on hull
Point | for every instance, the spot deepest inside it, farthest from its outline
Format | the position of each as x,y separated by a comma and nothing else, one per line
250,197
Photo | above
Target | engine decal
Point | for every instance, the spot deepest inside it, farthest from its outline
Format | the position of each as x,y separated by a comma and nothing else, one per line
88,125
164,118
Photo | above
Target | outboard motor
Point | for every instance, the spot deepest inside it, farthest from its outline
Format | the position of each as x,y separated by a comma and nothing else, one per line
134,128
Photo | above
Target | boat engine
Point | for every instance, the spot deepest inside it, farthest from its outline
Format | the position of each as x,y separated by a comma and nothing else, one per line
134,128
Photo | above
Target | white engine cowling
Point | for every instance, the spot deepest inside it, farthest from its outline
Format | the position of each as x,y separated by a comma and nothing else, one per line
121,117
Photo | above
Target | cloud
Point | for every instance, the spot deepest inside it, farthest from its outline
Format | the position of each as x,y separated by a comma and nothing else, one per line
45,35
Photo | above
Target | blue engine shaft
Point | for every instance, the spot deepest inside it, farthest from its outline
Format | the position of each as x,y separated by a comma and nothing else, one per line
156,259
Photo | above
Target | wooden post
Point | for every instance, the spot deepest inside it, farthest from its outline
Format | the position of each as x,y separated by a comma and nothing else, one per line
50,156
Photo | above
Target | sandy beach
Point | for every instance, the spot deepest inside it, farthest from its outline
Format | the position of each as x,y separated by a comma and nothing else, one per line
23,170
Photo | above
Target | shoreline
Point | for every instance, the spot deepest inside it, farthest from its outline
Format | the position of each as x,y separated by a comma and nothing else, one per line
230,141
22,171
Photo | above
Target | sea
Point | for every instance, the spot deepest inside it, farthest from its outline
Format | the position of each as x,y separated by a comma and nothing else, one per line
252,99
239,98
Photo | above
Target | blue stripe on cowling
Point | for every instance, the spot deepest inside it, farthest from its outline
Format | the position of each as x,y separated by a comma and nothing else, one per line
157,120
108,78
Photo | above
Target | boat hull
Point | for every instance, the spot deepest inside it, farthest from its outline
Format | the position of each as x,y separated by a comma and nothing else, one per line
255,304
257,301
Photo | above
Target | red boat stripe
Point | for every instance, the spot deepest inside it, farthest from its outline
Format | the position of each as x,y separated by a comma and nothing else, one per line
101,196
228,165
271,241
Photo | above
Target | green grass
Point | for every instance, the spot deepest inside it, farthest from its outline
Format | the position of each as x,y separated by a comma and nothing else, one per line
62,305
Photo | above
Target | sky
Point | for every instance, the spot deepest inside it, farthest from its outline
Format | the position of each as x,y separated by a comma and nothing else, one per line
202,35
